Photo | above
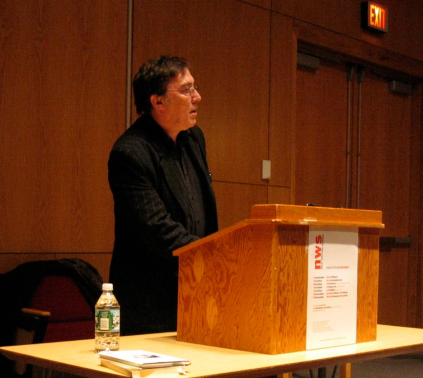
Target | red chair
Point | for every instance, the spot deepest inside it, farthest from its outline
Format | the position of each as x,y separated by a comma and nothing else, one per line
66,289
71,317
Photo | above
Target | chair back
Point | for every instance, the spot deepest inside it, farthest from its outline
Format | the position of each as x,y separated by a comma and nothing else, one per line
72,318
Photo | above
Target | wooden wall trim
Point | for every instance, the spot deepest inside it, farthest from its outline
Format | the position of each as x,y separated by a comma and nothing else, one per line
415,284
420,216
360,51
129,74
414,262
283,62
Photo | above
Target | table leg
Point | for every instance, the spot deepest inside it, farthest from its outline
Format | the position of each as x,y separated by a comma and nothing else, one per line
346,370
321,372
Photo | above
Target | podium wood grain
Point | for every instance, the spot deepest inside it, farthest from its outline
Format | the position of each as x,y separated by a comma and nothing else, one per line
245,287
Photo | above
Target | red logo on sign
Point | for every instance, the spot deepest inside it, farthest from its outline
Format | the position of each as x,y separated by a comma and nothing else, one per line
318,253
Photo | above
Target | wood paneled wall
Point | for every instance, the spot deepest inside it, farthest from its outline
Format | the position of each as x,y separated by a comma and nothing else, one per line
63,93
230,61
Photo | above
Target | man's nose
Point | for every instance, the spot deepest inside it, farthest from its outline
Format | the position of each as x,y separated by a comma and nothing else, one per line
196,97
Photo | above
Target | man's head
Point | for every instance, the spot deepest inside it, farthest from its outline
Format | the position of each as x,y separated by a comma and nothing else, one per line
165,89
153,78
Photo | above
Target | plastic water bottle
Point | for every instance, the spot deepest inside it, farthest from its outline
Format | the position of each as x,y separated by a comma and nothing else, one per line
107,320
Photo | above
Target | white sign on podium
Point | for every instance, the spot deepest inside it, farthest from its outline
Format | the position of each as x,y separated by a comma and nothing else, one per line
332,287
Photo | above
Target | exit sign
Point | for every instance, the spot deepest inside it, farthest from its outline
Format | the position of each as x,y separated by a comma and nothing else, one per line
374,17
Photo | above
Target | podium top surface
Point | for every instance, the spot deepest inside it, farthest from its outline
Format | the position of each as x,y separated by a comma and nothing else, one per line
297,215
317,215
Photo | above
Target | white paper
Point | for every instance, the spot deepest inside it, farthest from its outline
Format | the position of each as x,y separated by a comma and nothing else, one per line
332,287
143,359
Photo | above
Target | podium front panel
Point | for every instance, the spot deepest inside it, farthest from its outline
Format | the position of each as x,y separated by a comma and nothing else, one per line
245,287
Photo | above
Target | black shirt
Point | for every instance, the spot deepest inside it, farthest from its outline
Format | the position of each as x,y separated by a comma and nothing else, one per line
192,183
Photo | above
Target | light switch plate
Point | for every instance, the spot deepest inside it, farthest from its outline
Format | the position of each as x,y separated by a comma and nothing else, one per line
266,170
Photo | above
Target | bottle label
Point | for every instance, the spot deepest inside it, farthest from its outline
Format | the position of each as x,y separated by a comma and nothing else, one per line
107,320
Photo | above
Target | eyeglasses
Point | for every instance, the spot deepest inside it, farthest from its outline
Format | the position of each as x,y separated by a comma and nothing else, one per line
186,91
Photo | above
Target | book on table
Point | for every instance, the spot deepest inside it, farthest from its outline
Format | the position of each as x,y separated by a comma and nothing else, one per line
143,359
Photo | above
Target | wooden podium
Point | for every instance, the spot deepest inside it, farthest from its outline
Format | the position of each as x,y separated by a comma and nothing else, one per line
245,287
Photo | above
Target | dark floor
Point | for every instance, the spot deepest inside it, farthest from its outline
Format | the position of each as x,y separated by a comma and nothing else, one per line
405,366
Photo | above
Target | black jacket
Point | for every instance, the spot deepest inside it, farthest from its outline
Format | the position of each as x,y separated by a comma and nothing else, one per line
151,222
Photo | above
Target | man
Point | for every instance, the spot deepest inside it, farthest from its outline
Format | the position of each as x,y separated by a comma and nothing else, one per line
163,195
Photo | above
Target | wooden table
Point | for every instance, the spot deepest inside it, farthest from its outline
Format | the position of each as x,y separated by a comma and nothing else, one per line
78,357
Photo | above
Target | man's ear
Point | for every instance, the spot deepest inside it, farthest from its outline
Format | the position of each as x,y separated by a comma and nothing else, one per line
156,101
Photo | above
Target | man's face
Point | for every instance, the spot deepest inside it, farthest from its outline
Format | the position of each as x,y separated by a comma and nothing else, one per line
179,107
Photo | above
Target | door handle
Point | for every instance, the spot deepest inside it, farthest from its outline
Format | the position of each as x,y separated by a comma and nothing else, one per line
387,242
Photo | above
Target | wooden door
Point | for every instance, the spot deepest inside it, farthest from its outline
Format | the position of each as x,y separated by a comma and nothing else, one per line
353,149
321,136
384,170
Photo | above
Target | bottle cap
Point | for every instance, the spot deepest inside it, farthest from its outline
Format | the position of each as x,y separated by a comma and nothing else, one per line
107,286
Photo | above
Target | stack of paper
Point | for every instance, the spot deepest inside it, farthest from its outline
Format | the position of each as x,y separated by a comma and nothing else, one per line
131,362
